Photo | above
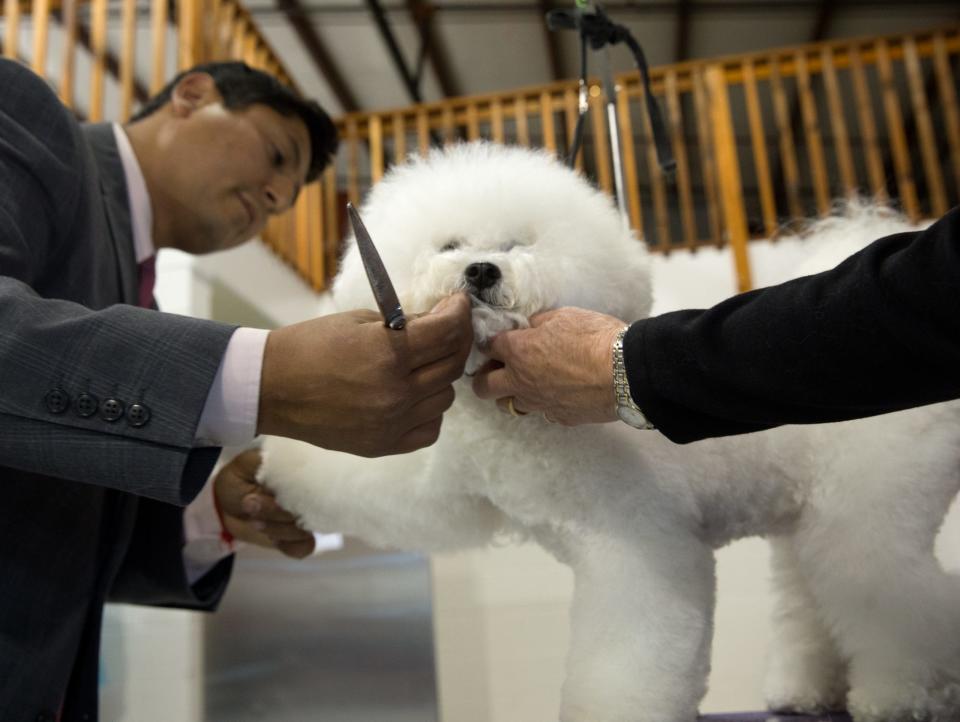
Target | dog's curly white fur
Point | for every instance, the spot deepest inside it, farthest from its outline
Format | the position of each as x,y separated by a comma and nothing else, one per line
865,618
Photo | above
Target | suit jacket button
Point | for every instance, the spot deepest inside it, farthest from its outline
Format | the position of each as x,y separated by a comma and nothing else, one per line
138,415
46,717
111,410
85,405
57,401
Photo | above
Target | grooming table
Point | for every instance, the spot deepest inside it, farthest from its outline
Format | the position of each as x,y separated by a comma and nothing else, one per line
771,717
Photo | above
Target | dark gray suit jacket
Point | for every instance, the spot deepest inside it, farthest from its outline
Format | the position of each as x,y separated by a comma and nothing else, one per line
91,506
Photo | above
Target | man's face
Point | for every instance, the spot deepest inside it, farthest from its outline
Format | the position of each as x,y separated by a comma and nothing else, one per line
227,171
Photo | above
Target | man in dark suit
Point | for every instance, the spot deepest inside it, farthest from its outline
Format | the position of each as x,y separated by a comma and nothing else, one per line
111,415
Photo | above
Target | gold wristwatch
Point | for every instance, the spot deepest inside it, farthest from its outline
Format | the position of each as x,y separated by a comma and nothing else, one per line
627,410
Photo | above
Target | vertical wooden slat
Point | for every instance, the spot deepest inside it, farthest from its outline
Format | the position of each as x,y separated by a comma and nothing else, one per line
158,26
188,33
353,162
811,123
302,235
520,116
868,126
127,58
906,188
725,142
632,186
473,121
251,43
448,123
399,139
290,237
657,187
40,19
788,154
98,46
675,120
375,138
423,131
496,120
214,30
11,35
838,123
707,161
331,217
318,274
601,149
547,122
761,162
948,101
68,74
928,142
239,35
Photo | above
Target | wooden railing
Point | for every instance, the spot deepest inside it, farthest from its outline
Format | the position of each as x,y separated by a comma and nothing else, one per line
761,140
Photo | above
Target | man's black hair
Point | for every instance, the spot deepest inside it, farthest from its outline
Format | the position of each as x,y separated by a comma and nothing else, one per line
241,86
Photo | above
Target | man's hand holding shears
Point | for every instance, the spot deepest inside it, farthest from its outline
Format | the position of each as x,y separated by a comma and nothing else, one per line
350,382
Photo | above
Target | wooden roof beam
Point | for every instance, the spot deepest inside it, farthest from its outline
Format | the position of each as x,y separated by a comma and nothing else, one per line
297,16
423,12
682,42
554,57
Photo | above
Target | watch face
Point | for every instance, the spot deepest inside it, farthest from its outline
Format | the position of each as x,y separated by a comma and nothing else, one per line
632,417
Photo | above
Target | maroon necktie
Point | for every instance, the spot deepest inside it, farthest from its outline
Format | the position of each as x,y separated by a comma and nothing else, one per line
148,277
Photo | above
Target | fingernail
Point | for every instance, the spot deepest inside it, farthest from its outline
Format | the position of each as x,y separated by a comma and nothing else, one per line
251,504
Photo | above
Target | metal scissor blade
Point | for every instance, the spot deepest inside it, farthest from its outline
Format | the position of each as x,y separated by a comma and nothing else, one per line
380,283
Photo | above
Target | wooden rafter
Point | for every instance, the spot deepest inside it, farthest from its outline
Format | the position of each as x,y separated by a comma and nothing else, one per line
297,16
552,41
682,43
393,48
423,12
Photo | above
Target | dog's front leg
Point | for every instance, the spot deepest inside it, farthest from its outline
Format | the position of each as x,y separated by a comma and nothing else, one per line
642,622
394,502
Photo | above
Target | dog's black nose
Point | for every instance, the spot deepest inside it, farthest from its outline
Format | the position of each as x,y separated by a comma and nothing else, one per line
482,275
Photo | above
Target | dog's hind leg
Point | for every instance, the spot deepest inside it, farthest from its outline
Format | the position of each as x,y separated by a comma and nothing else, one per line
805,673
866,550
641,628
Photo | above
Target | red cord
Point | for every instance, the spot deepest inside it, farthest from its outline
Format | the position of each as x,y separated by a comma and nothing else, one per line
225,536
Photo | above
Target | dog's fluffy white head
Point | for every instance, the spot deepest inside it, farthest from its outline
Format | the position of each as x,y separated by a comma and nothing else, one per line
548,237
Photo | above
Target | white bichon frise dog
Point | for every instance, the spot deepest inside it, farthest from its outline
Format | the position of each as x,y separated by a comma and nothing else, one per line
866,617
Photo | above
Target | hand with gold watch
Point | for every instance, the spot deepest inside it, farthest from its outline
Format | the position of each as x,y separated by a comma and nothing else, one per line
626,407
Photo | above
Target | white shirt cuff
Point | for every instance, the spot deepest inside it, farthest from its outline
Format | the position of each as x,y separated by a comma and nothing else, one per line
229,416
203,545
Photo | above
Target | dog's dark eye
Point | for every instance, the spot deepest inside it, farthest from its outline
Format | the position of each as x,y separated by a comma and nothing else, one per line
451,245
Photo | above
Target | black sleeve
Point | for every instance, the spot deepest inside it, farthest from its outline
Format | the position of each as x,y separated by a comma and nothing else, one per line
879,333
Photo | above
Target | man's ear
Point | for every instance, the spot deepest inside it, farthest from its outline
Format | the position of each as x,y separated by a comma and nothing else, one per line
192,92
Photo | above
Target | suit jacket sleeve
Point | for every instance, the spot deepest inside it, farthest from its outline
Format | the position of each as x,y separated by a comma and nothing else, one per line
51,342
879,333
153,571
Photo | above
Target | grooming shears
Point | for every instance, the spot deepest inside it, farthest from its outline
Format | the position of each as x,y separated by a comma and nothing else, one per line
380,283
